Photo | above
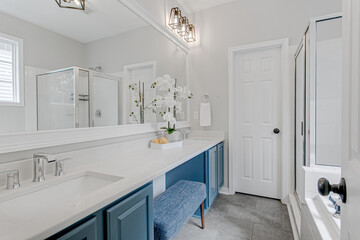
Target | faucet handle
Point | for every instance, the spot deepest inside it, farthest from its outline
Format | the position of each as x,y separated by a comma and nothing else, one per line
59,167
12,179
49,157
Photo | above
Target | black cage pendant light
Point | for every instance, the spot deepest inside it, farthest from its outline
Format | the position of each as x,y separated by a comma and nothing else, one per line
73,4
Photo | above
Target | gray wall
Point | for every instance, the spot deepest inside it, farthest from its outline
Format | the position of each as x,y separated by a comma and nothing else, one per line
42,48
137,46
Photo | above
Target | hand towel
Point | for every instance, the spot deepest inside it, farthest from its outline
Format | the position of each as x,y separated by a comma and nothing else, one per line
205,115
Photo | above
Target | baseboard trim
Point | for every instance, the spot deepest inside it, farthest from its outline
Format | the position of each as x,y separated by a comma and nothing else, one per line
292,222
225,191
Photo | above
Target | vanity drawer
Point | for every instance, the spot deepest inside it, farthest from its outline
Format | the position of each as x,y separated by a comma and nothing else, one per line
87,231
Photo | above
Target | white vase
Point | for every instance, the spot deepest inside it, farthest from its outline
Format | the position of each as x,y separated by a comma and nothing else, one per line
174,136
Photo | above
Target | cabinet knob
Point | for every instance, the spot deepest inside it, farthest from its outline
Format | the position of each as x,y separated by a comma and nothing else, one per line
276,130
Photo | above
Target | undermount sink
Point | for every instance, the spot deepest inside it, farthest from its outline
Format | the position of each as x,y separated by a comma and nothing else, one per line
55,192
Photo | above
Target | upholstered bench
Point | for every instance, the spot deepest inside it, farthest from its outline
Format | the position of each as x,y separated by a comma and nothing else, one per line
174,207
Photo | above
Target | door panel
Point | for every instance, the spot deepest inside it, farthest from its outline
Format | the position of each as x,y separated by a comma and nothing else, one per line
350,169
213,175
220,149
132,218
257,82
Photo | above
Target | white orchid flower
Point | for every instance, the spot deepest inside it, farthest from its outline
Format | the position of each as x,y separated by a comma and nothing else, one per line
168,117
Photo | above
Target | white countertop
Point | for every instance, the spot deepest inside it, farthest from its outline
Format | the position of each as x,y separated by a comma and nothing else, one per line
137,168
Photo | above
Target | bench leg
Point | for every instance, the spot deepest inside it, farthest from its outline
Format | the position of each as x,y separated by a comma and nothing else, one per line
202,216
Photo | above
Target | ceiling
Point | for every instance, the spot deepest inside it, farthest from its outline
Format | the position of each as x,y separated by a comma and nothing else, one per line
103,18
193,6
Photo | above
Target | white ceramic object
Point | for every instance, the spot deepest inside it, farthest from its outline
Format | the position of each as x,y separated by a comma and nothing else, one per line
167,145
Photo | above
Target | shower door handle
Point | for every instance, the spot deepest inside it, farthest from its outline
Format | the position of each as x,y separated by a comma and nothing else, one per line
302,128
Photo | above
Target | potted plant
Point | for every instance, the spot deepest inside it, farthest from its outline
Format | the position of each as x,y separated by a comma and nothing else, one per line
168,103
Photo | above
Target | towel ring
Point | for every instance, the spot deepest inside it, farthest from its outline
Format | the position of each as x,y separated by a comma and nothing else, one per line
205,98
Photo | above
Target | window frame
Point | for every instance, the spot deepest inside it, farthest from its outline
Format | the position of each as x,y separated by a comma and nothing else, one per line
19,70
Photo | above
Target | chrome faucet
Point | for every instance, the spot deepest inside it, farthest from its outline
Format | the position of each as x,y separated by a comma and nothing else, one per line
12,179
39,166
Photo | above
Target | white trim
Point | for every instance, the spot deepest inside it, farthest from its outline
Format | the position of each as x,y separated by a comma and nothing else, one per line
325,17
292,223
16,142
146,16
19,71
295,208
225,191
285,112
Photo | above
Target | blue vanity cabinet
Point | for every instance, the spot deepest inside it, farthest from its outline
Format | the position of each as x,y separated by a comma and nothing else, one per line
128,218
132,218
208,168
87,230
220,151
213,174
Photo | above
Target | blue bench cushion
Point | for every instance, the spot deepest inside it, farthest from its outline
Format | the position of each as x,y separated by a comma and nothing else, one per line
174,207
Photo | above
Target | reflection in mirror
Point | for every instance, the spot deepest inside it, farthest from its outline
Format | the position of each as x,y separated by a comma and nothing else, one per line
81,69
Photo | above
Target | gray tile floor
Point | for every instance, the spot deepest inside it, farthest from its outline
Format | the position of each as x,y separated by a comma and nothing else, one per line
241,217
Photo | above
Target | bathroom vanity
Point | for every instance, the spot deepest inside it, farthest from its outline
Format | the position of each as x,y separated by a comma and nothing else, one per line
110,196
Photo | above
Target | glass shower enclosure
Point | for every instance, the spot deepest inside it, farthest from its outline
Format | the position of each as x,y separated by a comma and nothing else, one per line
318,75
76,98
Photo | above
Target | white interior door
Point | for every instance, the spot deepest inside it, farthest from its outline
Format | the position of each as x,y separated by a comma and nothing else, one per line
257,105
144,73
350,211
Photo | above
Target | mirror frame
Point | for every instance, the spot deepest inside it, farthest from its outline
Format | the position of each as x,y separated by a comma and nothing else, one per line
23,141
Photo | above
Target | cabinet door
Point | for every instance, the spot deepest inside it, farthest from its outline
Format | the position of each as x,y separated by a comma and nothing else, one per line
132,218
213,175
220,149
86,231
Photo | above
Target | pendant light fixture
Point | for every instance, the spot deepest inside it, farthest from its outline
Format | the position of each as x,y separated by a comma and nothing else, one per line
184,27
175,18
181,25
72,4
191,36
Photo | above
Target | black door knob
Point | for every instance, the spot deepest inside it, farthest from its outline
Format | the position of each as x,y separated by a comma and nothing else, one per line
325,188
276,130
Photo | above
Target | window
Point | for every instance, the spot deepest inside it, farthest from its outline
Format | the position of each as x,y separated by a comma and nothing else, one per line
10,71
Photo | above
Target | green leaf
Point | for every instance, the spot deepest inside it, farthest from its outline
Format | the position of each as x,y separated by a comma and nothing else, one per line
171,130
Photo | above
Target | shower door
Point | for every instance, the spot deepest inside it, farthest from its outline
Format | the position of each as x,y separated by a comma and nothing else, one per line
300,106
55,100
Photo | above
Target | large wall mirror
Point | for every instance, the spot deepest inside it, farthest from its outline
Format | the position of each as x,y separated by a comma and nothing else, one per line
63,68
